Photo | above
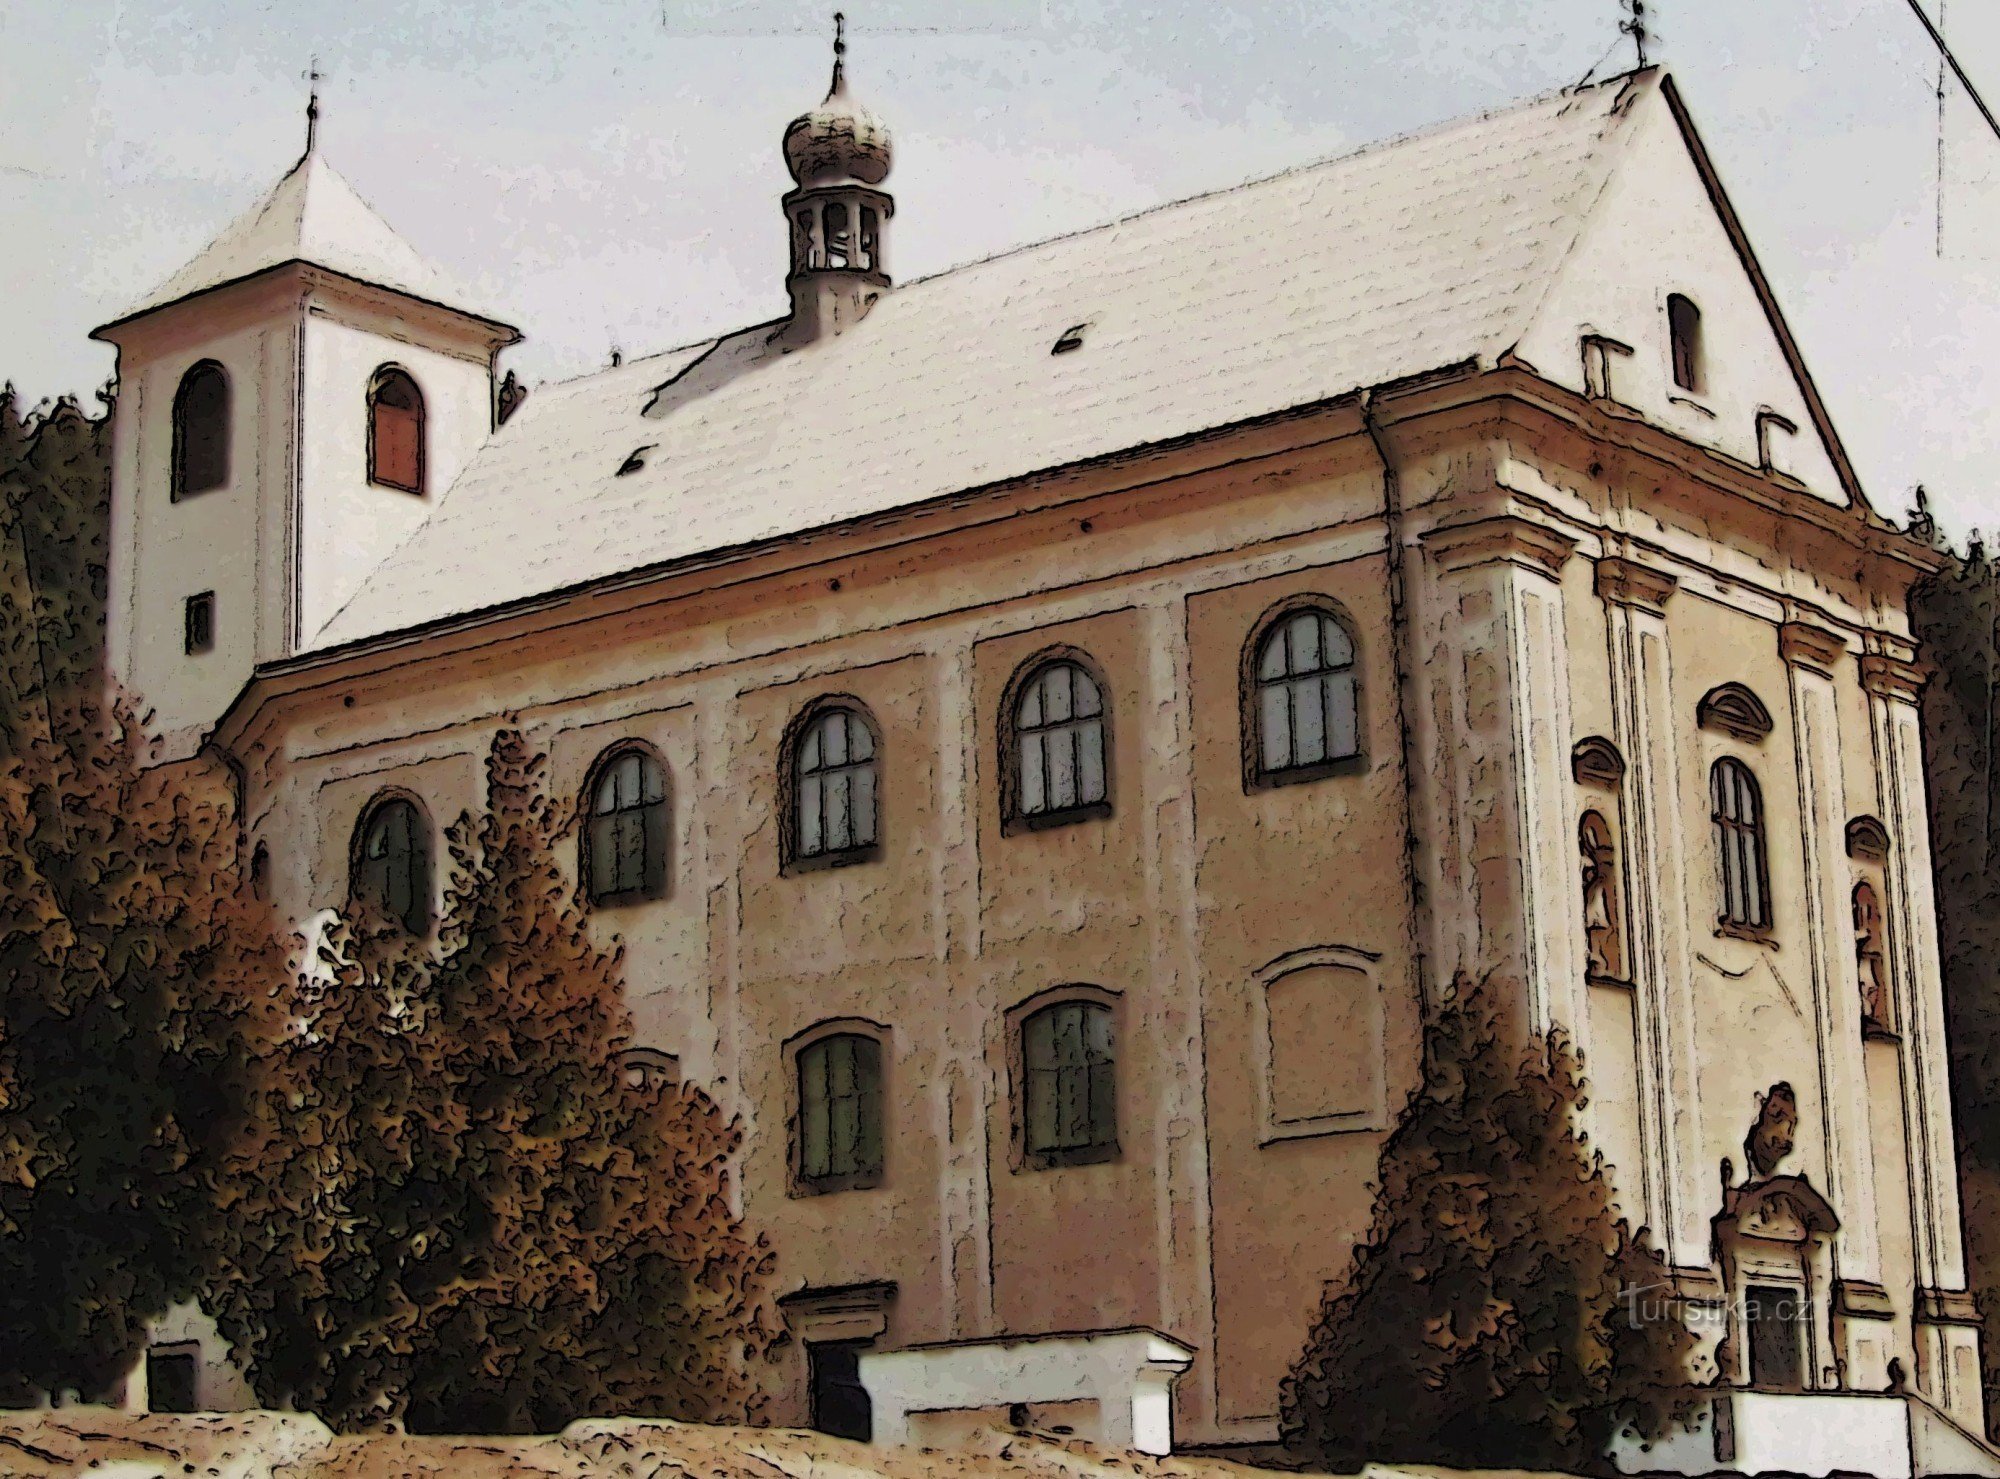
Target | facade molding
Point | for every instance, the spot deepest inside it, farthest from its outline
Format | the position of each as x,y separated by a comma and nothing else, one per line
1893,677
1802,644
1623,582
1502,538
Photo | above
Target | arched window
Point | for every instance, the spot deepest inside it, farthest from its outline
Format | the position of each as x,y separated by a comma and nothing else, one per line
396,431
1055,763
833,787
1684,332
625,842
1068,1085
839,1132
201,431
1302,699
1739,845
837,239
1603,924
392,864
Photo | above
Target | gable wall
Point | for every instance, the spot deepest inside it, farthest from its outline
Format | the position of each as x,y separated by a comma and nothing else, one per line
1653,231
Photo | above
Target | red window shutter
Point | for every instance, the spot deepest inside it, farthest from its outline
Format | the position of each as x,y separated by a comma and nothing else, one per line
398,448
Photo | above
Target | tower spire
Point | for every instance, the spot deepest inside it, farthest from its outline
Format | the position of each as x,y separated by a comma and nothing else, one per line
839,53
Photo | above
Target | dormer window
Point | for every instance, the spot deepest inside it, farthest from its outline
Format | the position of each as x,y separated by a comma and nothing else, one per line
1684,333
396,431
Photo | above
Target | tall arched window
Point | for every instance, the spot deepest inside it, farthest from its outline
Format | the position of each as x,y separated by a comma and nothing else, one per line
1068,1085
396,431
1055,761
839,1135
1739,845
833,787
625,843
1684,333
201,430
1301,698
391,873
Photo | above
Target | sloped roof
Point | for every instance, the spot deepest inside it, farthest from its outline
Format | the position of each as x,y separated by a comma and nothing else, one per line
311,215
1393,261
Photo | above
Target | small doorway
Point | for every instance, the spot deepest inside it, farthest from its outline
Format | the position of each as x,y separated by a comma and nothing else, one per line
173,1377
1776,1317
840,1406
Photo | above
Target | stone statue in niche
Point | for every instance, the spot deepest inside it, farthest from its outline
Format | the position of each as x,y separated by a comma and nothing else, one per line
1770,1138
1604,957
1868,956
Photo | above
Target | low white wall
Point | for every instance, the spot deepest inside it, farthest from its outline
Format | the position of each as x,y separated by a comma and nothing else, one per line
1129,1374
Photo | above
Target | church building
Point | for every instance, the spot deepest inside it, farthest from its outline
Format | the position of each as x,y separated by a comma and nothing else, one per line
1040,730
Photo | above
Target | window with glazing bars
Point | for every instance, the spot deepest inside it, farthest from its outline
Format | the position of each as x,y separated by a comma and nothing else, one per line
1305,706
1070,1113
1739,844
840,1113
626,857
392,871
1059,744
834,788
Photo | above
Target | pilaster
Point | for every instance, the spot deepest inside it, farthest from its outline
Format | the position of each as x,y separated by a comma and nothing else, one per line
1176,1017
963,1091
1812,655
1498,594
1893,683
1635,598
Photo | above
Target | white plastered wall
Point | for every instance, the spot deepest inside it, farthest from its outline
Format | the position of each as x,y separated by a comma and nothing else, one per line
1651,233
163,551
347,524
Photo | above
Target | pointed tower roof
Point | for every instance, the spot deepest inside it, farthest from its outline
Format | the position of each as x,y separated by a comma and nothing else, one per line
312,215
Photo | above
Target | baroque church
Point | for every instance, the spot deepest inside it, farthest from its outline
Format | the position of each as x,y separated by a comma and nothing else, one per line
1039,730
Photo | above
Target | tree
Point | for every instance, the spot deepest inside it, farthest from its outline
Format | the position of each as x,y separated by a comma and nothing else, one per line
1956,617
458,1212
55,493
1488,1319
120,903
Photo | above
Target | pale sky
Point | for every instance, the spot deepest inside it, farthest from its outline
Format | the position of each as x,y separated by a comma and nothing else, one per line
606,172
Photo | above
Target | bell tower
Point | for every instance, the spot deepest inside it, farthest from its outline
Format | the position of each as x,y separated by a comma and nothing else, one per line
292,403
838,154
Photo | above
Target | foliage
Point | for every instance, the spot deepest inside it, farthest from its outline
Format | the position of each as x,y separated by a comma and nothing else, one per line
119,908
456,1211
1956,616
55,504
1484,1321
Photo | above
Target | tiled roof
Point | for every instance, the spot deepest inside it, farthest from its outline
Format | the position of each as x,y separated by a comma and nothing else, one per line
1396,260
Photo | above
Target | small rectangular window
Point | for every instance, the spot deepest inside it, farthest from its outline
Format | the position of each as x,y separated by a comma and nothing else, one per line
198,624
